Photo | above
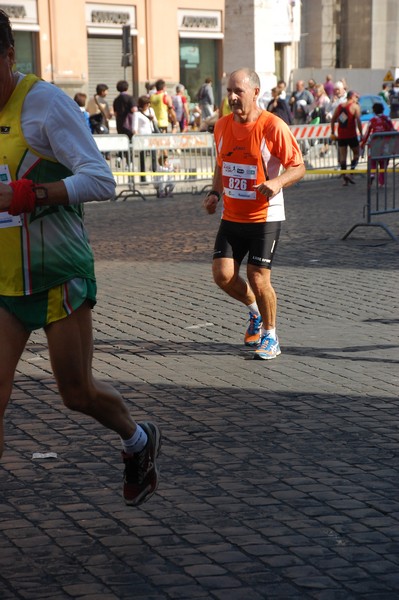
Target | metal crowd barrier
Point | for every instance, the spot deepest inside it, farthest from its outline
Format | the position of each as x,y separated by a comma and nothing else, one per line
140,170
382,181
159,164
167,163
191,157
116,149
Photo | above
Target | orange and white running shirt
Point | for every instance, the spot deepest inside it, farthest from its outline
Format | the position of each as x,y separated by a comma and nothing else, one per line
248,153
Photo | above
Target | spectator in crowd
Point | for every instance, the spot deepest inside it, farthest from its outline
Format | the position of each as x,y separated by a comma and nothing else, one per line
394,100
279,107
320,105
81,99
338,98
150,88
124,106
205,99
98,108
224,108
163,183
195,118
318,111
162,104
144,119
384,93
378,124
281,84
329,86
181,109
312,87
300,102
347,116
145,123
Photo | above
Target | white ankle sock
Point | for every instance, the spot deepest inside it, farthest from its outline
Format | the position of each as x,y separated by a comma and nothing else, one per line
270,333
253,308
136,443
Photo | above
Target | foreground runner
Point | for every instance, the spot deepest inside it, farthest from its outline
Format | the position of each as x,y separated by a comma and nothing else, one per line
51,165
251,146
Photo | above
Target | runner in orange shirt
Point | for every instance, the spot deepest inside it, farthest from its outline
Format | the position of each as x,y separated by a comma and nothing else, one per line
252,145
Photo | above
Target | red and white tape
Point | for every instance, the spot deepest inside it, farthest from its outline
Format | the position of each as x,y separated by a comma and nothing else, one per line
323,130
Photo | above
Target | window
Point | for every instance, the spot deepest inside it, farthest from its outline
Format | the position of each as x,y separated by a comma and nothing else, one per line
25,51
199,60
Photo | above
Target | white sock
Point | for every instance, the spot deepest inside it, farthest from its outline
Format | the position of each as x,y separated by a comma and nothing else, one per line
270,333
253,308
136,443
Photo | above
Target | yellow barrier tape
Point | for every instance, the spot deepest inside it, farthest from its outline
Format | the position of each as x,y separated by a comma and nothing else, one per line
347,171
335,171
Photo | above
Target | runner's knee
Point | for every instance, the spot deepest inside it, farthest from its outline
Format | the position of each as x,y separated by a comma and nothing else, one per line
223,279
260,281
76,396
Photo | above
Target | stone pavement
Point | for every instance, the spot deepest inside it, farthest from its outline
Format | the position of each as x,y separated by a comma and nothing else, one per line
279,480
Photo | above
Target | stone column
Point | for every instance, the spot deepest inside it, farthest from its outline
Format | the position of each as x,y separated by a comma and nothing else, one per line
249,40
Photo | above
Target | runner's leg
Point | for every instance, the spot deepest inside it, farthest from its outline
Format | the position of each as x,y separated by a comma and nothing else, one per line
226,276
70,342
13,338
260,282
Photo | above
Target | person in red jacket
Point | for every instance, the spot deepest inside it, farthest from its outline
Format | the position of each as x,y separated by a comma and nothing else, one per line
378,124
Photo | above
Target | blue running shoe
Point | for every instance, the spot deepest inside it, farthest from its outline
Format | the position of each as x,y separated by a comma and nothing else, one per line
268,348
252,334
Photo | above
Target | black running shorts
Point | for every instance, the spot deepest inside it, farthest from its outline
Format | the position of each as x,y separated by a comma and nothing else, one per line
258,240
351,142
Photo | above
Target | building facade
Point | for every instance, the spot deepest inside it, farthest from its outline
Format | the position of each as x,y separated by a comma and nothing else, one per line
354,39
263,35
77,44
344,34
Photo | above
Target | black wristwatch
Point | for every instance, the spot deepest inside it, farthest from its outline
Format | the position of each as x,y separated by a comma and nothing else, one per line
40,192
214,193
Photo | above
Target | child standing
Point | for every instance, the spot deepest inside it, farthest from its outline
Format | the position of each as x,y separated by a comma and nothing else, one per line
163,184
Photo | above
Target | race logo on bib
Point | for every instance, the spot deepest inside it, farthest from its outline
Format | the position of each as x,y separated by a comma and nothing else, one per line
239,180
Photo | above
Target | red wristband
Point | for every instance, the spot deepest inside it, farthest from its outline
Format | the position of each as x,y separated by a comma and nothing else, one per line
23,199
